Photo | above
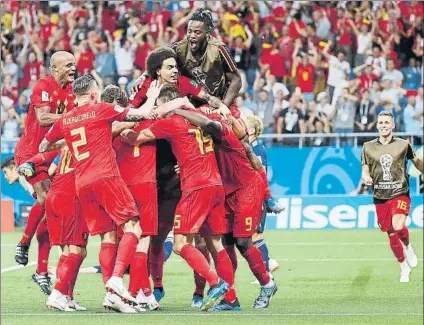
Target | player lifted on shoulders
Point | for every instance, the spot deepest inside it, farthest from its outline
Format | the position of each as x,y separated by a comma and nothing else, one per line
384,167
51,96
105,200
201,208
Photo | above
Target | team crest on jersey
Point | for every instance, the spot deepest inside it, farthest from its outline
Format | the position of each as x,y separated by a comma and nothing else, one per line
45,96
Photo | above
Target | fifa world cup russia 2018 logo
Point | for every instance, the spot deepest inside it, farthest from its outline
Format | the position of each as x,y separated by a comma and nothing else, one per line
386,162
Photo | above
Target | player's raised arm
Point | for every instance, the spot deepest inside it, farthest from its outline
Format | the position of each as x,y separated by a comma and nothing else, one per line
53,139
214,128
133,138
62,65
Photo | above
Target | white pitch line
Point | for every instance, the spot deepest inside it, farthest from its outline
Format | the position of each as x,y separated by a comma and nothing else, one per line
16,267
216,314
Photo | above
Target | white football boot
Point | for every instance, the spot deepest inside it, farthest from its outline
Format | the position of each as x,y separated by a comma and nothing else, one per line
405,270
59,301
149,301
113,302
411,258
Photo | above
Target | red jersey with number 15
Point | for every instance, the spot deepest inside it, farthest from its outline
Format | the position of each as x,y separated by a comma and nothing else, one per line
88,134
46,92
64,179
137,164
234,166
193,150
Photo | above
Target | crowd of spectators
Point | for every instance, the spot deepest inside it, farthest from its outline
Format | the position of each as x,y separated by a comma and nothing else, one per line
307,66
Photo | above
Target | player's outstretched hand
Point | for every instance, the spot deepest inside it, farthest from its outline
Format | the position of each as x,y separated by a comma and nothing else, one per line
367,180
129,136
137,84
154,90
224,110
207,110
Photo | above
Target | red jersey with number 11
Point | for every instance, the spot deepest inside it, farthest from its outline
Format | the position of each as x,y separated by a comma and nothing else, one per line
88,134
193,150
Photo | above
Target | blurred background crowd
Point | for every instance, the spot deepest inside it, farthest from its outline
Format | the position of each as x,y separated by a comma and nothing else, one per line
307,66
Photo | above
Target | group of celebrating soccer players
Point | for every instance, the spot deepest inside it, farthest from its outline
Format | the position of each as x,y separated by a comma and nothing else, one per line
175,156
131,174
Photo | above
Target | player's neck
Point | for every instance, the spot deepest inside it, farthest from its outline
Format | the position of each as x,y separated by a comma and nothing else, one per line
385,140
62,82
83,100
252,138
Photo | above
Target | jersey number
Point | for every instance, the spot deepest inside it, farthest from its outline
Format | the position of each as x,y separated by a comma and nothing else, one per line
248,222
402,205
205,141
64,167
81,142
136,151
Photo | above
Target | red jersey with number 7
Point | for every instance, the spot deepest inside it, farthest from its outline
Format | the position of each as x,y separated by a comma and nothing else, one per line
137,164
193,150
88,134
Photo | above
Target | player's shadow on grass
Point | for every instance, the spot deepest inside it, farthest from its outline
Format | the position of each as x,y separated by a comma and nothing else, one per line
360,282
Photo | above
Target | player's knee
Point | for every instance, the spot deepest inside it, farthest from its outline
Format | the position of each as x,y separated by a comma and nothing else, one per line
398,222
243,244
41,197
179,242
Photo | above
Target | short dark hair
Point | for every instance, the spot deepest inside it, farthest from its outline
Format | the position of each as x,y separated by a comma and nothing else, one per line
8,162
205,16
168,92
113,93
155,60
83,84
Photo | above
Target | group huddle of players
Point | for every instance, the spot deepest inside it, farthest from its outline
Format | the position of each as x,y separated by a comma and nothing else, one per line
131,174
175,156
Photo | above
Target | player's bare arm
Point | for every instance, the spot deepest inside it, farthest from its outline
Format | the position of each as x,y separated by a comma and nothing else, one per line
133,138
418,163
50,146
44,117
214,128
233,88
238,128
118,127
255,162
366,177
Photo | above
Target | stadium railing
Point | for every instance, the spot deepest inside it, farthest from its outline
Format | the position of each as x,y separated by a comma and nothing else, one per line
338,137
302,138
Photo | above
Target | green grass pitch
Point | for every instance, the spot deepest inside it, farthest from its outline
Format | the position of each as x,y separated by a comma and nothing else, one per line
325,277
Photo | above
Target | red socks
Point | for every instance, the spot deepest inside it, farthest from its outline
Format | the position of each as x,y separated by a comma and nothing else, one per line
225,271
199,264
139,277
126,251
404,235
76,262
397,247
68,273
107,258
253,257
36,214
59,269
199,281
43,247
156,261
231,251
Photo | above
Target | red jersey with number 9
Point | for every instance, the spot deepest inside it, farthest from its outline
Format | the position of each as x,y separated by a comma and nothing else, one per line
88,134
193,150
137,164
46,92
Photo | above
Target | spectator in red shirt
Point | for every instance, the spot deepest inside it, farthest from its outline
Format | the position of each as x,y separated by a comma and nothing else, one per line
297,27
366,76
304,70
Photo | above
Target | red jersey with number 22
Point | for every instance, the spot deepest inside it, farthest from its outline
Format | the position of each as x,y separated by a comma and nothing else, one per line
137,164
88,135
193,150
234,166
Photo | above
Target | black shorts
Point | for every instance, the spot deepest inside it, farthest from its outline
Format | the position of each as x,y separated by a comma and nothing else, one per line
261,226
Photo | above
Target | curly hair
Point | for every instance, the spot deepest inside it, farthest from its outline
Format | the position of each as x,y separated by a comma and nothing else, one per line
155,60
256,123
113,93
205,16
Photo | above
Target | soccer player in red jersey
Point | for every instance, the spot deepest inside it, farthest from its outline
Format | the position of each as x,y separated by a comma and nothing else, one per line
67,229
105,200
201,208
161,65
51,96
137,165
384,162
244,190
